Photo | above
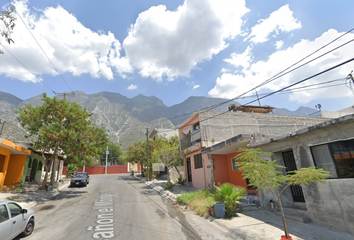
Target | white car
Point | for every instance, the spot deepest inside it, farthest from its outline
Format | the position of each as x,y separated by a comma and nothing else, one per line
15,220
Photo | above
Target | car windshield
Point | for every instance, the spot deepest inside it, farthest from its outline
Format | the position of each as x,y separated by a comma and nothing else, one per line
80,175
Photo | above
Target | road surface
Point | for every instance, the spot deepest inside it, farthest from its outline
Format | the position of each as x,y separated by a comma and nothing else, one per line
118,207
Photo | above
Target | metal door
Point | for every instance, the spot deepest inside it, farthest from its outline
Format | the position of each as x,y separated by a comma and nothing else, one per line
290,165
189,170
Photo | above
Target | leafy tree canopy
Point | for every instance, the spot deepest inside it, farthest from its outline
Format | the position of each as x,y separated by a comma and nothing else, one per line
8,21
115,154
63,128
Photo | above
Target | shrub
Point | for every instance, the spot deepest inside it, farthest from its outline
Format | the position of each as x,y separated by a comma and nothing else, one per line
198,201
169,185
71,169
180,180
230,195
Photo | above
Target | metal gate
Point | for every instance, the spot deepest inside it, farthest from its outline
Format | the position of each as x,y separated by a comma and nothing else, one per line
290,165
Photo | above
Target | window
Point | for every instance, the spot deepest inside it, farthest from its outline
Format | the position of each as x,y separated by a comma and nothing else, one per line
14,209
233,164
40,165
4,215
249,186
336,157
198,161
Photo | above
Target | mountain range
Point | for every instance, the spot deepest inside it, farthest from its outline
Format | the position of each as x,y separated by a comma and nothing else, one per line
125,120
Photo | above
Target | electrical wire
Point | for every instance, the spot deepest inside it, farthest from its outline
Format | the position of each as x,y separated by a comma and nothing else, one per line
25,67
283,72
41,48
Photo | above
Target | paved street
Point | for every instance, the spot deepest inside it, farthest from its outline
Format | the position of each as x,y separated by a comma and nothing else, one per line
116,207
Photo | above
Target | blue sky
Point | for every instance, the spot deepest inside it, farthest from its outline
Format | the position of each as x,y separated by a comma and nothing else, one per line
176,49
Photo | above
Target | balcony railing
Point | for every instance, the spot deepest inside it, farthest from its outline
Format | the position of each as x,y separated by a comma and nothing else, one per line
195,136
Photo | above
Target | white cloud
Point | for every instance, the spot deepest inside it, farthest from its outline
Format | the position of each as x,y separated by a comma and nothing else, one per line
196,86
279,44
70,46
132,87
231,85
281,20
171,43
242,59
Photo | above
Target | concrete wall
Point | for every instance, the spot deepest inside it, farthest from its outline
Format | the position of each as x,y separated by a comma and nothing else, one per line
219,128
332,203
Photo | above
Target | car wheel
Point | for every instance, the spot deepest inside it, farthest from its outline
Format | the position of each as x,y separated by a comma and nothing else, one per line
85,184
29,228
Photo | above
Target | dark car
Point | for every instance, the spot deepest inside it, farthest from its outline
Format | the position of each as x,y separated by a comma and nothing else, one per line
80,179
15,220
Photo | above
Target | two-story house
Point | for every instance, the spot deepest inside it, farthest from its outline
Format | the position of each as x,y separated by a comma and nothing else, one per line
209,157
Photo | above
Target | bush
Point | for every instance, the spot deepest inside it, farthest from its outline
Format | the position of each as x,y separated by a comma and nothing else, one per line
180,180
230,195
198,201
169,185
71,169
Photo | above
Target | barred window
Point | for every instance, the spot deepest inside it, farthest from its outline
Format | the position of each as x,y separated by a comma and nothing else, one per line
198,161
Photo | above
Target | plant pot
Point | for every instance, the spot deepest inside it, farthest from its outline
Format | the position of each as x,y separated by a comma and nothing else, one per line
283,237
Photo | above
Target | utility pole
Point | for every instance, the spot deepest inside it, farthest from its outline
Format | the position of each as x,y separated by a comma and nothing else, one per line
64,94
147,152
350,75
2,127
107,152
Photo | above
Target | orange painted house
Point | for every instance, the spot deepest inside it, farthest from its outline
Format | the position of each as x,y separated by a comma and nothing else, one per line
12,163
223,156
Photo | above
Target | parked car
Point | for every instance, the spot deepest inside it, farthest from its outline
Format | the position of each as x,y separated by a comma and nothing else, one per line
80,179
15,220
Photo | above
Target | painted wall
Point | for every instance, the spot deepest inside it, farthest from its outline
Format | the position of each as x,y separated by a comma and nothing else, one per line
331,204
200,176
4,162
15,169
223,172
92,170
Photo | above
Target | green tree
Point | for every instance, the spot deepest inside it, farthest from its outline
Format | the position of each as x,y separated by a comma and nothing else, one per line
9,23
137,153
167,152
264,174
115,155
63,128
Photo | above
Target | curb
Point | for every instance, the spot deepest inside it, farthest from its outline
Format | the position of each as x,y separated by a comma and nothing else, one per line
164,193
56,192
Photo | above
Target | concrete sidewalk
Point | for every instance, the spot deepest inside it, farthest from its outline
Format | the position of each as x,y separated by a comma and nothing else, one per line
31,196
256,223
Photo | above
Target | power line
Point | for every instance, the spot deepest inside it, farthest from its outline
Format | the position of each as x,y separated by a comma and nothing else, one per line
41,47
283,72
284,88
25,66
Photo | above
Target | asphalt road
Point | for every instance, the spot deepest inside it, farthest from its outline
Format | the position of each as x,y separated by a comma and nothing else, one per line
116,207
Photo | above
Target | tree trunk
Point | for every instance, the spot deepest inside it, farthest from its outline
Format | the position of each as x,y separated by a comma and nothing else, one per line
169,174
49,164
286,230
179,174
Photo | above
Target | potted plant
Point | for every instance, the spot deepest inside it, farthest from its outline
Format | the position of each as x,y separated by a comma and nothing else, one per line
265,175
